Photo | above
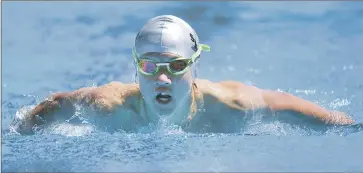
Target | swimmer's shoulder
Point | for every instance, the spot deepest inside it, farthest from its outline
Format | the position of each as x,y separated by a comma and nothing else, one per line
119,88
233,94
106,97
117,94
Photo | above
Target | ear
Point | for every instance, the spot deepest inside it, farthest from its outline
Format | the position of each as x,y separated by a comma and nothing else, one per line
136,79
194,69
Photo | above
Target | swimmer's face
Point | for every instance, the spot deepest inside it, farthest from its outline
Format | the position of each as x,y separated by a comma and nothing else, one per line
164,91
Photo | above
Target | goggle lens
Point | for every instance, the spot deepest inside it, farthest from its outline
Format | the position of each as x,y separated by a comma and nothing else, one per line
174,67
178,65
148,66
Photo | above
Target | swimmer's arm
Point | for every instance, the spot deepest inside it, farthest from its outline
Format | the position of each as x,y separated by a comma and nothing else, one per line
45,110
103,99
39,115
62,102
285,101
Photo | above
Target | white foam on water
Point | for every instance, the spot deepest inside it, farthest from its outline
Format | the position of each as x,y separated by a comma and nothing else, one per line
67,129
306,92
22,112
338,103
19,119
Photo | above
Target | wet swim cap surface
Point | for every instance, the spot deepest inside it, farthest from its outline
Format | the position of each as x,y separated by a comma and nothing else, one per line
167,33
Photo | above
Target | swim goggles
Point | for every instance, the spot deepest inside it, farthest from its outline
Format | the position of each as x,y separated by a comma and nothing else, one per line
177,66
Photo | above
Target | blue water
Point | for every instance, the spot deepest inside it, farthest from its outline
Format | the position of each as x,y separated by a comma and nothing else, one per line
310,49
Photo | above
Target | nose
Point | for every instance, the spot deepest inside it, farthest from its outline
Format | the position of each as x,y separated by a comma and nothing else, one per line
163,79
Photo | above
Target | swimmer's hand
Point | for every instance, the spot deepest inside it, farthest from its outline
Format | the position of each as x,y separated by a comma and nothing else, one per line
37,115
285,101
340,118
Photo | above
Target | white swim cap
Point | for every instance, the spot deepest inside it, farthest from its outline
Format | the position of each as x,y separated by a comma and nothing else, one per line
167,33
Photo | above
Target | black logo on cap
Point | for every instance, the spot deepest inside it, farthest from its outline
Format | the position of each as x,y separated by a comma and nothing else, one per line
138,36
195,42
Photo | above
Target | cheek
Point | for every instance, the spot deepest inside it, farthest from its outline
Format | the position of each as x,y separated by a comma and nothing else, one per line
144,78
146,85
183,83
188,77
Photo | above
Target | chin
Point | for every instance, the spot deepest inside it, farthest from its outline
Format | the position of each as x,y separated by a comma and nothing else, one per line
164,112
166,109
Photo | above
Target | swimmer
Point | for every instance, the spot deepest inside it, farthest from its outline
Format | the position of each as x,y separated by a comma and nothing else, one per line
165,52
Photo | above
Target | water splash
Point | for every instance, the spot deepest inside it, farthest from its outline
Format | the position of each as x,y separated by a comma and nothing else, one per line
337,103
67,129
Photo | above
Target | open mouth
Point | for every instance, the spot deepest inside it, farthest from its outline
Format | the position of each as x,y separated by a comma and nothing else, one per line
163,98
